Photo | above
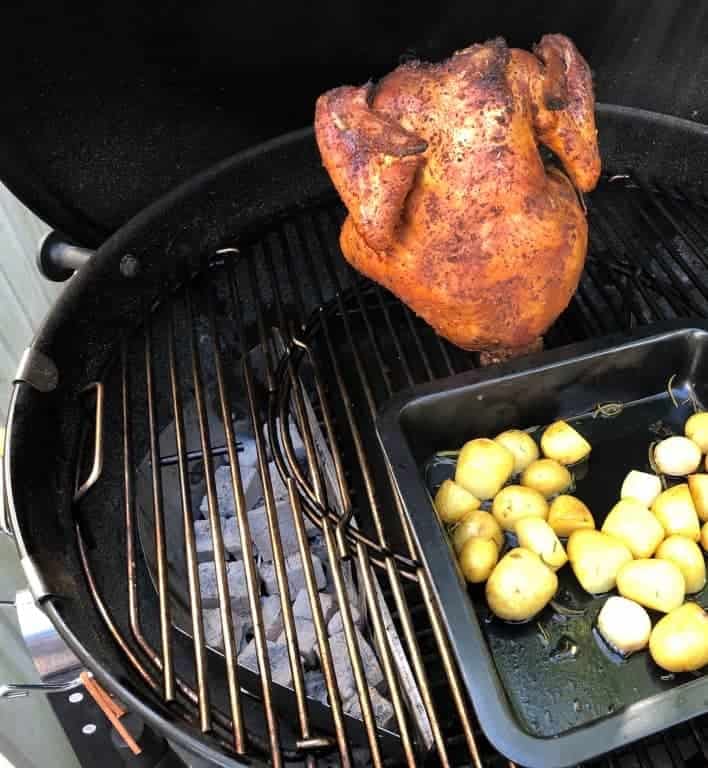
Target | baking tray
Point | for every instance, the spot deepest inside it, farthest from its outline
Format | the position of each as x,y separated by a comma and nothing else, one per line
549,693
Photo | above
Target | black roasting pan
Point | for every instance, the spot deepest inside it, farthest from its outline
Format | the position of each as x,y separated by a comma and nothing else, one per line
548,693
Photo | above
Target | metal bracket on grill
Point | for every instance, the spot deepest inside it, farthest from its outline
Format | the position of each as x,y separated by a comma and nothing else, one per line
35,580
37,370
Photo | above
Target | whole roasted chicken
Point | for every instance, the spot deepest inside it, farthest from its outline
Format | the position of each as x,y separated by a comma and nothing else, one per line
450,205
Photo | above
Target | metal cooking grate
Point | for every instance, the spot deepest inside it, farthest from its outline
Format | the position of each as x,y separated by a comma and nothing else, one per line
209,362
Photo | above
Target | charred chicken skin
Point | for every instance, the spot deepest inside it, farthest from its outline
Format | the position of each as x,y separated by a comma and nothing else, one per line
450,205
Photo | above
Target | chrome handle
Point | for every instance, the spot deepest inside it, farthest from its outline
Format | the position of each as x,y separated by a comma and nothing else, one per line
19,690
97,466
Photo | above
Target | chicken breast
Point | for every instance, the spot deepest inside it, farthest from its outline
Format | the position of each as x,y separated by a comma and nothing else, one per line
450,205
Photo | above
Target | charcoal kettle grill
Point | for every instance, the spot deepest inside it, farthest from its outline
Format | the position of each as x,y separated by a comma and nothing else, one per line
209,296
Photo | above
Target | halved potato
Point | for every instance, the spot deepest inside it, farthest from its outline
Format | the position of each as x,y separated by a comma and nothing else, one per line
568,514
546,476
679,641
521,445
596,559
686,554
479,524
632,523
677,456
563,443
535,534
477,559
674,509
520,586
516,502
696,429
698,485
483,467
641,486
655,584
624,624
453,502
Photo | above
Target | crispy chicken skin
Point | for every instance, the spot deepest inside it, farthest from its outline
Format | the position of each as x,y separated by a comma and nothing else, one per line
450,205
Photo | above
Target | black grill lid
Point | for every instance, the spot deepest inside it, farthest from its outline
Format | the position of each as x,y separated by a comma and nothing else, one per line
106,107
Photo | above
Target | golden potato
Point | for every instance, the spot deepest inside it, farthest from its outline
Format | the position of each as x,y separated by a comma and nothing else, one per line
624,624
453,502
477,559
521,445
546,476
535,534
679,641
632,523
675,511
696,429
596,558
698,486
655,584
483,467
568,514
641,486
677,456
687,555
563,443
479,524
704,537
515,502
520,586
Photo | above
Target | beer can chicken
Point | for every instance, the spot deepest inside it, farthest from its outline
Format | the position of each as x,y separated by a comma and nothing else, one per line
450,205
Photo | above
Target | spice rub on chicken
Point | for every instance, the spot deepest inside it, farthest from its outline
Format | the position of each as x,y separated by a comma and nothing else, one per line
450,205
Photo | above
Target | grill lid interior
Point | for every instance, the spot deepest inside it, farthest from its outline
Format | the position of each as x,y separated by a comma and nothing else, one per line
107,108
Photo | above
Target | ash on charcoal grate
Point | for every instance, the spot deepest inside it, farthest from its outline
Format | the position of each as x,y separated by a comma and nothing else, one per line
270,598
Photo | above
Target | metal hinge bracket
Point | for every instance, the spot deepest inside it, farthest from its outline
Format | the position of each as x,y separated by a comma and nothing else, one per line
35,580
37,370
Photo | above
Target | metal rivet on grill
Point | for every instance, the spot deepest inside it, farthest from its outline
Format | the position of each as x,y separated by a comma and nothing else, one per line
129,266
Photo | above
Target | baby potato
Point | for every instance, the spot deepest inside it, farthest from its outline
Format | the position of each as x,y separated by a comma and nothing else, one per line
520,586
563,443
624,624
655,584
632,523
679,641
479,524
522,446
688,557
698,485
675,511
478,558
516,502
453,502
677,456
641,486
535,534
568,514
696,429
704,537
546,476
483,467
596,558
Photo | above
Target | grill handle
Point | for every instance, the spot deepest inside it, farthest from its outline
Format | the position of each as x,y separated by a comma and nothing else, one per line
58,259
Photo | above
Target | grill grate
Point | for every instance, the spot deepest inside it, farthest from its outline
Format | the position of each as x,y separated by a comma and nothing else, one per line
207,367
